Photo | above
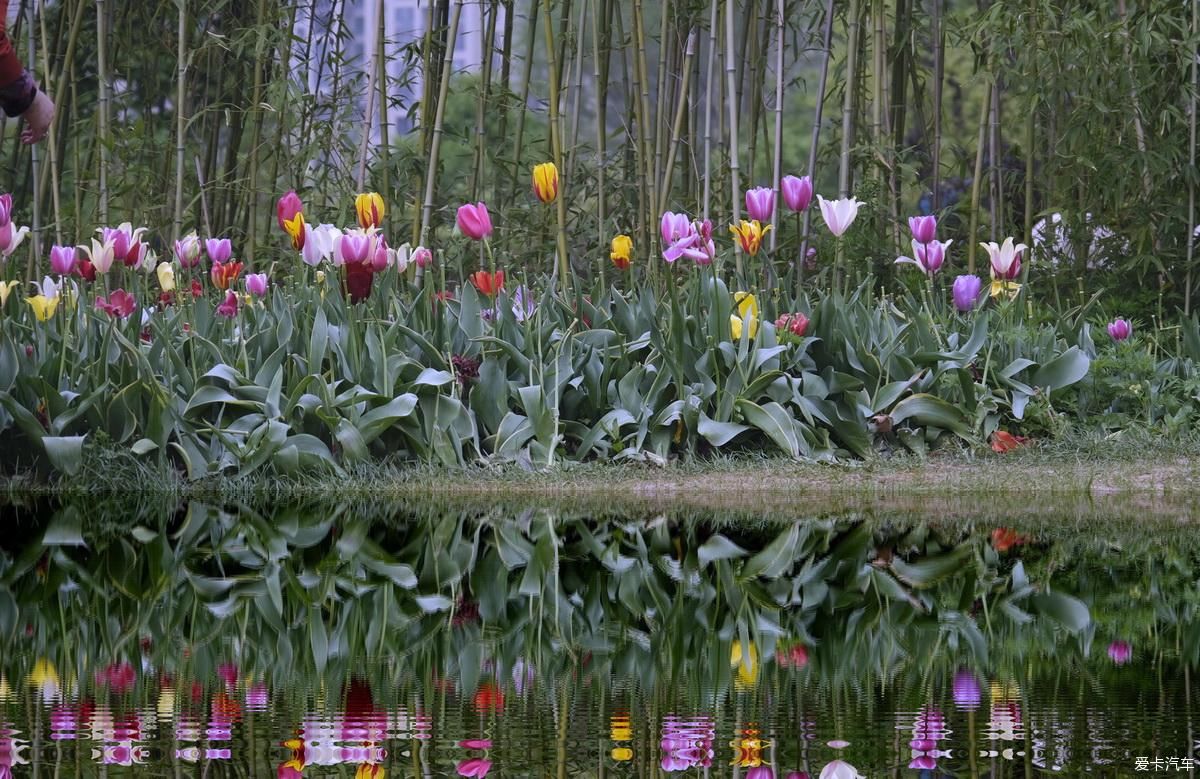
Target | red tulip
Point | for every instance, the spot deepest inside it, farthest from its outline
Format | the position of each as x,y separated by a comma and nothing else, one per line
224,274
358,280
119,305
489,697
488,283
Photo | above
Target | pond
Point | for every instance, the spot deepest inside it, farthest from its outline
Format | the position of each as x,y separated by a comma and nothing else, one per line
509,641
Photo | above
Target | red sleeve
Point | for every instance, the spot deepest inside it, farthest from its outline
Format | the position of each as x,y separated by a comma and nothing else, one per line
10,66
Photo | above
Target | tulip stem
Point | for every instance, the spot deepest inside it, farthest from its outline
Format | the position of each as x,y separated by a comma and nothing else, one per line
972,239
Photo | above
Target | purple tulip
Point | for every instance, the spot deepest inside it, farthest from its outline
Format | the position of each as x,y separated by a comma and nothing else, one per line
929,257
1119,329
219,250
1119,651
5,209
761,772
924,228
760,203
966,292
352,248
797,192
674,227
256,284
797,775
63,259
967,693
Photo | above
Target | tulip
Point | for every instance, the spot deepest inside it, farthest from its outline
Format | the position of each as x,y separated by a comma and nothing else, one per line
839,214
7,287
966,291
228,307
370,771
1120,652
352,248
422,257
675,227
797,192
760,204
320,243
5,209
923,228
118,305
197,288
474,767
681,237
287,208
489,697
1005,258
85,270
797,775
622,251
474,221
967,693
187,250
10,238
749,235
1120,329
476,743
545,182
63,259
43,306
166,276
397,258
370,208
524,304
294,227
929,256
292,769
219,250
360,276
224,274
256,284
488,283
795,325
761,772
840,769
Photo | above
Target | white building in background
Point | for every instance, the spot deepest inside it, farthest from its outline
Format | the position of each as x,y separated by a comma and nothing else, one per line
405,23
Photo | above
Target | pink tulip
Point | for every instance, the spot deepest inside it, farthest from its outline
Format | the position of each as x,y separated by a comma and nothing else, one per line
967,693
352,248
924,228
760,203
929,257
474,221
378,258
474,767
229,306
1120,652
187,251
797,775
966,291
674,227
63,259
286,209
5,209
219,250
1120,329
422,257
761,772
797,192
256,285
118,305
476,743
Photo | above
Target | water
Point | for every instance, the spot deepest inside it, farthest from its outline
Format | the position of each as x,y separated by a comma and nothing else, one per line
508,642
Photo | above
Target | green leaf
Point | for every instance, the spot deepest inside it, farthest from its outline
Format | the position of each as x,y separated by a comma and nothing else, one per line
928,571
930,411
718,547
1067,610
65,452
774,420
431,604
65,529
1063,371
718,433
776,558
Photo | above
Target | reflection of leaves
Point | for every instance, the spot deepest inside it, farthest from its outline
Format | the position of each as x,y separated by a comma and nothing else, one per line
65,529
1067,610
718,547
928,571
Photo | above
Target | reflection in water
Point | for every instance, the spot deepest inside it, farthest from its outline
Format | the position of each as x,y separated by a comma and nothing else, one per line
310,643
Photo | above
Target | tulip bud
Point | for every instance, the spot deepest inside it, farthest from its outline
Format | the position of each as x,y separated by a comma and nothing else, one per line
166,276
760,204
1120,652
256,284
63,259
924,228
370,209
286,209
1120,329
545,182
474,221
422,257
797,192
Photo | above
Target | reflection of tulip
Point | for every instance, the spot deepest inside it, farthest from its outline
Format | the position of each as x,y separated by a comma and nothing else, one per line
1004,538
622,251
63,259
797,775
966,292
44,677
967,693
761,772
488,283
370,771
839,214
474,766
370,209
292,769
1120,329
622,754
476,743
840,769
760,204
489,697
924,228
545,182
750,235
745,660
797,192
1120,652
474,221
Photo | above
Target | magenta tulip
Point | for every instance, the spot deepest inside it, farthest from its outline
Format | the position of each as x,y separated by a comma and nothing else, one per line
352,248
422,257
5,209
797,192
797,775
256,284
63,259
219,250
760,203
1120,652
286,209
966,292
229,306
929,257
1120,329
761,772
474,221
474,767
118,305
924,228
967,693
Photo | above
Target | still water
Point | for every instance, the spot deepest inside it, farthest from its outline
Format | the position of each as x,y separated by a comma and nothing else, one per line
213,641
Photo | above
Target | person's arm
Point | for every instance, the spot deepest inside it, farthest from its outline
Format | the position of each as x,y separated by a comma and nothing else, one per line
19,93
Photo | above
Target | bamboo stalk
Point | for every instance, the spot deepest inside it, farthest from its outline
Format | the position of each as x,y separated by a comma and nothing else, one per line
1030,116
1138,130
848,101
937,104
102,115
518,142
972,237
731,79
385,142
995,204
676,128
777,167
564,269
1191,226
482,103
436,137
600,68
426,96
578,89
369,108
660,95
36,234
708,107
180,114
644,124
827,52
52,134
506,80
256,132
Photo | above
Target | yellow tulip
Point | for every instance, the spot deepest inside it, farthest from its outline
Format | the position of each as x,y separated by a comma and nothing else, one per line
545,182
1002,287
5,690
370,771
166,703
5,288
44,676
746,316
622,251
166,276
370,208
622,754
749,235
746,662
43,307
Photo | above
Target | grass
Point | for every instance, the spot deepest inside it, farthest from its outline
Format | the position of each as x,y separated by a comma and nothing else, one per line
1131,474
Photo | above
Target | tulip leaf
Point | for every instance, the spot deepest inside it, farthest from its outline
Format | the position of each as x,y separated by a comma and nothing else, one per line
779,425
928,571
718,547
65,452
931,411
431,604
718,433
1067,610
65,529
776,558
1063,371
